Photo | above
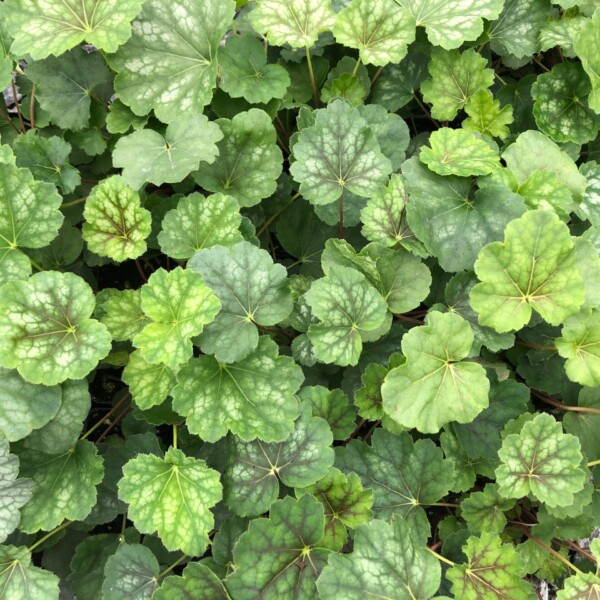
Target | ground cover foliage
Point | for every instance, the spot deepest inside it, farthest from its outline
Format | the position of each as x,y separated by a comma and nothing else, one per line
299,299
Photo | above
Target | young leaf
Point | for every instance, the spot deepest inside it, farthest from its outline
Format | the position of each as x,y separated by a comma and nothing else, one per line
484,511
47,330
196,581
486,116
249,161
131,572
147,157
338,152
543,460
251,481
435,386
536,267
587,46
294,22
14,492
160,492
585,425
123,315
115,225
332,406
405,569
380,31
280,557
173,70
254,397
20,579
149,384
180,304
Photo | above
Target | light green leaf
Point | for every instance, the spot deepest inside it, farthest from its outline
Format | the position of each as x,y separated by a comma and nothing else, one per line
580,345
535,268
131,572
403,475
29,218
561,109
64,485
146,156
47,332
333,406
160,493
196,581
253,397
405,570
25,406
253,292
294,22
589,208
543,461
200,222
121,118
435,386
455,78
587,48
458,152
582,586
562,32
585,425
246,74
123,315
380,30
66,84
545,189
254,469
14,492
249,161
493,571
115,225
280,557
345,502
338,152
453,223
348,309
173,71
20,580
47,159
149,384
180,304
484,511
466,468
486,116
449,23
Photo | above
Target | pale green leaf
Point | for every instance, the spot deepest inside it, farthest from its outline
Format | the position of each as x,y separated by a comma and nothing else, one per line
333,406
587,48
545,189
121,118
123,315
484,511
486,116
584,424
196,581
20,580
149,384
589,208
14,492
131,572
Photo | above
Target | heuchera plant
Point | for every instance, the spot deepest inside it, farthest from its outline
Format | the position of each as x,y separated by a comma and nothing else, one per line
299,299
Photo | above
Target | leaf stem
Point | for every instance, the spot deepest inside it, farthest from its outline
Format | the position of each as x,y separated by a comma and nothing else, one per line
425,110
409,319
548,549
376,76
557,404
48,535
141,271
32,107
175,436
500,79
341,231
540,64
15,98
270,220
447,504
73,202
536,346
439,556
114,423
313,83
356,67
171,567
114,409
594,463
34,264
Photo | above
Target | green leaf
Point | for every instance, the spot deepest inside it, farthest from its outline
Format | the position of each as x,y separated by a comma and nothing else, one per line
380,31
544,189
493,570
294,22
20,580
254,469
435,386
405,570
66,85
196,581
484,511
458,152
254,397
47,159
47,330
149,384
535,268
587,48
14,492
25,406
452,223
280,557
561,110
345,502
148,157
131,572
249,161
121,118
173,70
115,225
332,406
338,152
466,468
585,425
486,116
29,218
449,24
543,461
455,78
348,309
253,292
403,475
64,485
589,208
123,315
160,493
246,74
582,586
179,304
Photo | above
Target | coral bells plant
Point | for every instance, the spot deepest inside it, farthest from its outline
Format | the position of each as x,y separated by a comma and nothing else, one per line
299,299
